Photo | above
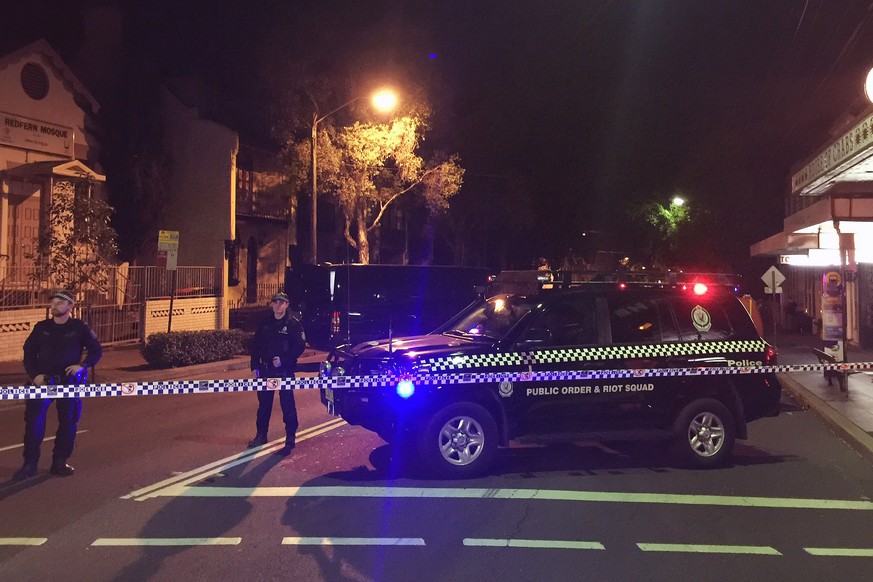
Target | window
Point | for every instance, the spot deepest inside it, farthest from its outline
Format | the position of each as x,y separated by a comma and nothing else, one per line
569,322
34,81
699,321
635,320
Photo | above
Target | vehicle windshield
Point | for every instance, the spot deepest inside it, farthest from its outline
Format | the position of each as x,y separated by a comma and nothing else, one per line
492,318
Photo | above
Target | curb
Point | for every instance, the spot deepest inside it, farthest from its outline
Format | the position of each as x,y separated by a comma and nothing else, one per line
845,428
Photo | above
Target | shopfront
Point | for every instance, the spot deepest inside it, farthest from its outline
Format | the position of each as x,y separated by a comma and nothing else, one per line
828,229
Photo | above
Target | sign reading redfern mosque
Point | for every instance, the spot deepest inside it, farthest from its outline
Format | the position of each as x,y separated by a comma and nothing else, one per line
31,134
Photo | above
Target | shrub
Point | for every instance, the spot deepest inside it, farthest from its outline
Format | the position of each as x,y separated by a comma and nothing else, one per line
185,348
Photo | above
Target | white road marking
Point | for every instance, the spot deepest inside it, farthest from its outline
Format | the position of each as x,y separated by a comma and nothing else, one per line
166,542
292,541
523,494
10,447
22,541
709,549
844,552
521,543
200,473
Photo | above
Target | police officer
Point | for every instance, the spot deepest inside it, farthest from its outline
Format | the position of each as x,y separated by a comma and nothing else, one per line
53,355
278,342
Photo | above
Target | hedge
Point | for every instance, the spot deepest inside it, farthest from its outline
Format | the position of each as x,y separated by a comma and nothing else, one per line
185,348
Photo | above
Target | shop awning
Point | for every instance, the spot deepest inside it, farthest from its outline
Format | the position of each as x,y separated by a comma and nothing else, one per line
813,235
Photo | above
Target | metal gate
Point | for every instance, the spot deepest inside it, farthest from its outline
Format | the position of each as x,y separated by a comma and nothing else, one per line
114,324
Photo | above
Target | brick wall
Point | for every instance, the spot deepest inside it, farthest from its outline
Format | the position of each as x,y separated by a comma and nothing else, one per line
190,314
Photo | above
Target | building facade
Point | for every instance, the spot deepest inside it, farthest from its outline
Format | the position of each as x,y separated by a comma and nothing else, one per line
48,147
828,228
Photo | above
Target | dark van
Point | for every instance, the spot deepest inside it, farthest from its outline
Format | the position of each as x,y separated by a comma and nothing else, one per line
352,303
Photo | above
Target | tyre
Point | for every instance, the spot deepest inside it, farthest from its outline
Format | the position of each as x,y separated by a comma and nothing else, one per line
459,440
705,434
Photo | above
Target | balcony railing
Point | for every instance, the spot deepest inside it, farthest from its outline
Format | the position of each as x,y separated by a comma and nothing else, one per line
262,204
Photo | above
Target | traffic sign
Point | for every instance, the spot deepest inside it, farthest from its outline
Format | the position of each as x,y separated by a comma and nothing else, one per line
168,249
773,280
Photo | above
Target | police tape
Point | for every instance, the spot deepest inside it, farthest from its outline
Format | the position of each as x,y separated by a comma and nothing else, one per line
392,381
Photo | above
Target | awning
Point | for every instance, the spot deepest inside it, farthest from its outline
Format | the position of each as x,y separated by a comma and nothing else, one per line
69,169
816,234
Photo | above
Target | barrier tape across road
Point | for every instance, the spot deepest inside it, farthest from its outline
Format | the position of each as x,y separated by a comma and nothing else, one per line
391,381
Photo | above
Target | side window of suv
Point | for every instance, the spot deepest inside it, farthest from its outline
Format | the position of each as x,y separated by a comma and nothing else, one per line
569,322
636,320
702,321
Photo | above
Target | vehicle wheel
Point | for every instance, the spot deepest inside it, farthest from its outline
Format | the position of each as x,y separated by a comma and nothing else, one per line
459,440
705,432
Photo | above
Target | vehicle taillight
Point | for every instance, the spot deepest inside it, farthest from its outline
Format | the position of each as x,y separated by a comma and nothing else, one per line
770,356
335,323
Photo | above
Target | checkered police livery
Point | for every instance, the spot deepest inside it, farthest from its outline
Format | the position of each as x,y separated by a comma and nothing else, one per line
570,355
424,379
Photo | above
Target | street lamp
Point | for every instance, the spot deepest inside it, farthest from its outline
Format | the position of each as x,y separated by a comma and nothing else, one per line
383,100
678,201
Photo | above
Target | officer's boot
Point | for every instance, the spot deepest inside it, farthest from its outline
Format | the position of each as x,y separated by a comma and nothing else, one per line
27,470
61,468
260,439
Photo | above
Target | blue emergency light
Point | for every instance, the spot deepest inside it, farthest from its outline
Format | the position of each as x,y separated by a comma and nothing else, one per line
405,388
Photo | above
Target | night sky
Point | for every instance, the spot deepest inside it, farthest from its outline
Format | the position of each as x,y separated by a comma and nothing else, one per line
586,105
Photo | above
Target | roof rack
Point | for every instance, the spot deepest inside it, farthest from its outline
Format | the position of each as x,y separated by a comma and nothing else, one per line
529,282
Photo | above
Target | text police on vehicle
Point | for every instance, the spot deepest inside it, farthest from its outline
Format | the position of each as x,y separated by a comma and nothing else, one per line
456,428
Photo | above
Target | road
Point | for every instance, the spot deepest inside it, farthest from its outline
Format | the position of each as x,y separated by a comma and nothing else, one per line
165,490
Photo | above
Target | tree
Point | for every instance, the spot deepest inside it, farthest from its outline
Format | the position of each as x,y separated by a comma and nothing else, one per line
78,244
379,164
370,166
662,227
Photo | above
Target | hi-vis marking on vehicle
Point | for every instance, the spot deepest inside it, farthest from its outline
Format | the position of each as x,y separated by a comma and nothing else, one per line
566,355
390,381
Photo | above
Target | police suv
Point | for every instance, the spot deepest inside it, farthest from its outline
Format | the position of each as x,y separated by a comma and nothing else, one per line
543,355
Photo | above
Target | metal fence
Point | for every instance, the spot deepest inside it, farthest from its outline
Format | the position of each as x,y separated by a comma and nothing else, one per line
29,287
257,296
113,304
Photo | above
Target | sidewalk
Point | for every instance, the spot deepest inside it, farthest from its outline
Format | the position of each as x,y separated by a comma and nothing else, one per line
850,414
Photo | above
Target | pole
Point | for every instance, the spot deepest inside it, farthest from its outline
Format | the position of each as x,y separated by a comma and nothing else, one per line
843,301
313,146
172,297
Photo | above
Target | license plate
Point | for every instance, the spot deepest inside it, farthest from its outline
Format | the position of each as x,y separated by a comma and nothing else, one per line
328,394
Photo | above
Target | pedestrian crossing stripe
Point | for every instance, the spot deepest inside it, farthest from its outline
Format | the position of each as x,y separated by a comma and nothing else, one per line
391,381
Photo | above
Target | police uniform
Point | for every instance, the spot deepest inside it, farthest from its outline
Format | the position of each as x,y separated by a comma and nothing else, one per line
283,338
49,350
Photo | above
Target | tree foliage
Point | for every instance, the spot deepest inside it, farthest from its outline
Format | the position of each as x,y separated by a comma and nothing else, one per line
369,166
79,242
678,235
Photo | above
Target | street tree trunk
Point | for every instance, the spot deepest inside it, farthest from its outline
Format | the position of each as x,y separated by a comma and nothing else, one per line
363,242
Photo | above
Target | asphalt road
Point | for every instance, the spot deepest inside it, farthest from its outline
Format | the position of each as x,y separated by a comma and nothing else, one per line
165,490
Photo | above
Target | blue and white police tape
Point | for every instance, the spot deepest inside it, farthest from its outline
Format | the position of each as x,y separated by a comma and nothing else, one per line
391,381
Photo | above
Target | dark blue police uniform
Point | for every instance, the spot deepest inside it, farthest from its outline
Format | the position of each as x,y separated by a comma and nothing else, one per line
49,350
283,338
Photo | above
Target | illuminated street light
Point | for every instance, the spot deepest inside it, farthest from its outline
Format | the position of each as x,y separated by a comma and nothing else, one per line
678,201
384,101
